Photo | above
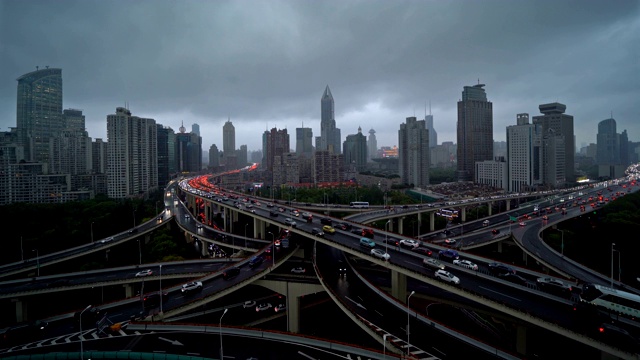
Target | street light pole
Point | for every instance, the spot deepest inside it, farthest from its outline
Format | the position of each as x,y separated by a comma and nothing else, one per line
384,345
562,242
161,312
245,235
38,262
81,337
386,242
220,329
408,311
92,231
139,253
273,248
612,245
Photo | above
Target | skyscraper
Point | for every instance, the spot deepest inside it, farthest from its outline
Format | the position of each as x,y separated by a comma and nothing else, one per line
304,142
132,159
611,150
413,152
433,135
372,145
523,155
195,128
474,130
329,134
39,112
188,151
557,127
355,151
229,145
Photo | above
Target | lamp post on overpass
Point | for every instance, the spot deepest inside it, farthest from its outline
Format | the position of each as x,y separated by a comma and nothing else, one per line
245,235
408,312
220,329
384,345
612,250
81,337
561,242
273,248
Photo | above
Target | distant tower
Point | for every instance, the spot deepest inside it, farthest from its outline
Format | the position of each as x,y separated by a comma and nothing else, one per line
195,128
355,150
557,128
304,142
229,144
329,134
414,153
433,135
372,146
474,130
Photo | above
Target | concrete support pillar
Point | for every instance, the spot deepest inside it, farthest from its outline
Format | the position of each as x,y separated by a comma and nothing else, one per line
399,286
463,214
419,223
293,311
259,229
508,205
490,205
21,310
128,290
432,221
500,247
401,225
521,340
525,257
390,226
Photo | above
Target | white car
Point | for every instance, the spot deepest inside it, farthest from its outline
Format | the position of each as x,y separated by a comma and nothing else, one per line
192,286
290,222
280,307
263,307
298,270
433,263
409,243
465,264
249,304
104,241
450,241
144,273
380,254
447,276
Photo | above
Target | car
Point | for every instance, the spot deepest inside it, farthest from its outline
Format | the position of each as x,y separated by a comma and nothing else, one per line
345,226
495,231
249,304
191,287
465,264
326,221
433,263
422,250
134,230
199,226
263,307
409,243
280,307
298,270
366,242
511,277
270,205
109,239
448,255
144,273
450,241
380,254
447,276
230,273
485,223
255,261
356,231
617,336
522,223
328,229
498,268
317,232
554,286
368,233
273,213
305,215
290,222
391,241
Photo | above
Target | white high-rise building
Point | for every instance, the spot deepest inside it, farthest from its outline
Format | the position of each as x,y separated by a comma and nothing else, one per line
523,155
414,153
132,158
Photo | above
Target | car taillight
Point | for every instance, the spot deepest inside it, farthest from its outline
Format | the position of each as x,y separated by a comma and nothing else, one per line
601,329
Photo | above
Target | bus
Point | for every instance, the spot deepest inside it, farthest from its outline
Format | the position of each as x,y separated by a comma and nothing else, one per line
359,204
449,214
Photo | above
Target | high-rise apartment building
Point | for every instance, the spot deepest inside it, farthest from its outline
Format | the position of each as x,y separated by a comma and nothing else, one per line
214,156
329,134
166,154
39,112
355,151
372,146
474,130
132,159
524,153
611,153
277,143
98,156
414,152
329,167
557,130
304,142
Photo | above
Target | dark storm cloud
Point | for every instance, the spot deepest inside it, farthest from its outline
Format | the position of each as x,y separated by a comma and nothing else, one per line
265,63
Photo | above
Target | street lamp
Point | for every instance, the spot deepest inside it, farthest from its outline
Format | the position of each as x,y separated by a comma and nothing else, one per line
92,231
220,329
38,262
273,248
386,242
562,242
139,253
245,235
384,345
161,312
408,310
612,250
81,337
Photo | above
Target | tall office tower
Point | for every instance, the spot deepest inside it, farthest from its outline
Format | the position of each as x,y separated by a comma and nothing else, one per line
277,143
10,153
228,138
329,167
372,146
39,112
523,155
475,130
304,142
99,157
166,149
355,151
611,152
242,155
433,135
132,158
195,128
557,126
214,156
329,134
414,152
73,119
188,151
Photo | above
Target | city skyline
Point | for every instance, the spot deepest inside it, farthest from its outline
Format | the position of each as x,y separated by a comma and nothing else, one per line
383,62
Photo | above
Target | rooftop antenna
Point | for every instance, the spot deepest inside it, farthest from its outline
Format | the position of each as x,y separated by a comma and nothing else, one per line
478,81
37,68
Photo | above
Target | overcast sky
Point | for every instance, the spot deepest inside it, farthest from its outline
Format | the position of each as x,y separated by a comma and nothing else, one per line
265,64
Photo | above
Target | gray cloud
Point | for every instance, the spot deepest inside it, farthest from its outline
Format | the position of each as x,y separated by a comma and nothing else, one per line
265,64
